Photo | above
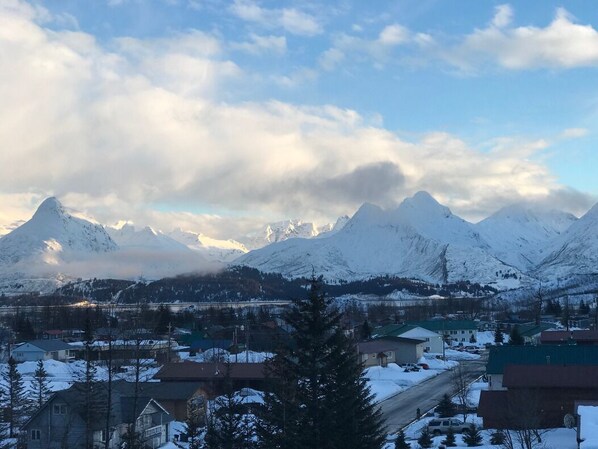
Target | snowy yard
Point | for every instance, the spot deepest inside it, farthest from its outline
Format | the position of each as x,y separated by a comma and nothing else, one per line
391,380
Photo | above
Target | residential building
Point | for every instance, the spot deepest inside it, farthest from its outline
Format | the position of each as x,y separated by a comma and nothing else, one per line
543,355
455,331
575,337
34,350
531,332
211,376
432,340
538,395
61,421
382,351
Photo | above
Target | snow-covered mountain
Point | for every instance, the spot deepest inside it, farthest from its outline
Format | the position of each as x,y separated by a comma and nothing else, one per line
223,251
127,236
53,236
520,234
279,232
420,239
575,252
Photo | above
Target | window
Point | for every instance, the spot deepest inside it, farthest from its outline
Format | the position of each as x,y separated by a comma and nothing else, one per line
36,434
59,409
103,436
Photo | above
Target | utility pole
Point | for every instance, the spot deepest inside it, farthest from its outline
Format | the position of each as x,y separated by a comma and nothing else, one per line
246,342
169,342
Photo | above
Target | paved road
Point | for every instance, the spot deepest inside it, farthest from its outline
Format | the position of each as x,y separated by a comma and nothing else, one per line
400,410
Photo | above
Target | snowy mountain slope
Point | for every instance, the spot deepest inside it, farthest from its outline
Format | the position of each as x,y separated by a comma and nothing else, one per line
520,234
127,236
223,251
278,232
575,252
420,239
53,236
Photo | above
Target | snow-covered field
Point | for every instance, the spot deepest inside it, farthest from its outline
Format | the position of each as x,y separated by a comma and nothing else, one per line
392,379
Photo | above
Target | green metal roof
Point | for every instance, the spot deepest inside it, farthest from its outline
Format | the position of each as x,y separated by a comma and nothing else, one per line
392,330
445,325
500,356
529,330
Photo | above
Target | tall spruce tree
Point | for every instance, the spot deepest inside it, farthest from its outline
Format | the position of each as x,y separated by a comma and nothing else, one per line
515,337
499,338
40,385
401,442
319,397
227,428
16,406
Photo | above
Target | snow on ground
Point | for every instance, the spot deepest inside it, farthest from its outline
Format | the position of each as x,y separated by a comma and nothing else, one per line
452,354
385,382
589,426
216,354
555,439
474,393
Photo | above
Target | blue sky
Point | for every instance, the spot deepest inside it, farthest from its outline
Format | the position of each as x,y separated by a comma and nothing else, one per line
203,112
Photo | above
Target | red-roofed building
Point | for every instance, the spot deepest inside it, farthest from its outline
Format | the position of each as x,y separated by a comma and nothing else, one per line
546,391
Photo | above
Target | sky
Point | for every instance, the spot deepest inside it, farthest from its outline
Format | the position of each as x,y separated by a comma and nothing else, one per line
218,116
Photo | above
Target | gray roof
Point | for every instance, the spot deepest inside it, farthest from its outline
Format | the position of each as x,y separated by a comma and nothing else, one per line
385,344
50,345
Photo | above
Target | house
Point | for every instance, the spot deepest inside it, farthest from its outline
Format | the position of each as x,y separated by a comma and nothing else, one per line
531,332
160,350
211,376
576,337
456,331
433,341
60,422
538,395
175,397
201,345
34,350
543,355
385,350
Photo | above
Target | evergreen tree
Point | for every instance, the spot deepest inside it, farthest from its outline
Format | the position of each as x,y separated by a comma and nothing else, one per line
194,424
472,339
366,330
446,407
400,442
91,394
584,309
39,385
499,337
497,438
16,407
472,436
319,398
226,426
425,438
450,440
515,337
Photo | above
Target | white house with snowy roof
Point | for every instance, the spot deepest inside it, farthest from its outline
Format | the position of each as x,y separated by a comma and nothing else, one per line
41,350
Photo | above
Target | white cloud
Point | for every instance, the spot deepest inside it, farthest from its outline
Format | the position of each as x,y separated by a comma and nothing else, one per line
502,16
378,50
393,35
290,19
262,45
574,133
122,130
561,44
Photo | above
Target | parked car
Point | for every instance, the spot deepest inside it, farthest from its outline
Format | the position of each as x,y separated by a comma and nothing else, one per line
423,365
440,426
410,367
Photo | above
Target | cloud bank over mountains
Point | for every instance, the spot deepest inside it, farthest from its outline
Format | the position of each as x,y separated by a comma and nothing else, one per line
152,130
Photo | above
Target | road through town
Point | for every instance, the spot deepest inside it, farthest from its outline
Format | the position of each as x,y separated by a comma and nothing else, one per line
400,410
